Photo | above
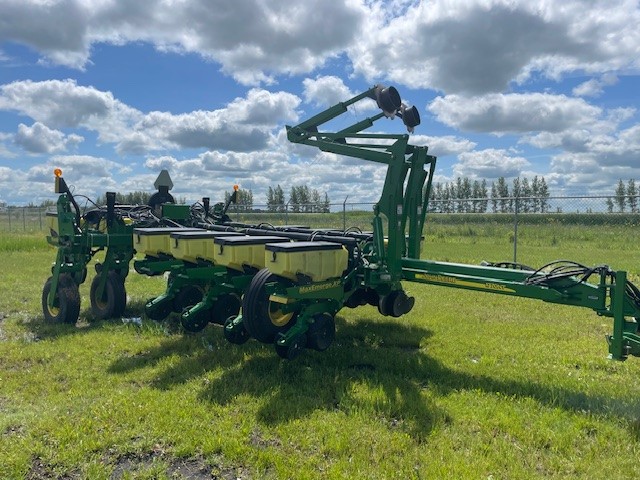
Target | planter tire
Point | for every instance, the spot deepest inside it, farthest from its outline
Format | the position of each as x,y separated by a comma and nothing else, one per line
66,307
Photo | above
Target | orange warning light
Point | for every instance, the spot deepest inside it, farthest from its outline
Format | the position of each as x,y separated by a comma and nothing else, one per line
235,188
57,172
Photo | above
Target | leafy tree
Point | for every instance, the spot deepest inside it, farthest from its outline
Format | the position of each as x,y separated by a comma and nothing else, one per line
620,195
315,201
516,193
465,194
278,198
326,204
244,200
526,194
535,193
503,194
294,200
609,205
543,195
494,198
483,195
632,192
271,207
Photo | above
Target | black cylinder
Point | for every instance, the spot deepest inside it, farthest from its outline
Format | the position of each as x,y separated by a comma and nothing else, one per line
411,117
389,99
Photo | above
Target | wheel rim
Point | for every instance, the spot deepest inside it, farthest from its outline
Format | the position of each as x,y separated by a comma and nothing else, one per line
102,302
53,311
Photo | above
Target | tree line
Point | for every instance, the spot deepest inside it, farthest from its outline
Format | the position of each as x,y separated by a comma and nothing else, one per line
624,196
302,199
467,196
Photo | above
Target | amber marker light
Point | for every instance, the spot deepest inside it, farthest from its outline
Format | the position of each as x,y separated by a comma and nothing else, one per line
57,172
235,188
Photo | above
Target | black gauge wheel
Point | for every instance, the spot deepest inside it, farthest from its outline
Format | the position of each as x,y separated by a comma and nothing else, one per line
66,307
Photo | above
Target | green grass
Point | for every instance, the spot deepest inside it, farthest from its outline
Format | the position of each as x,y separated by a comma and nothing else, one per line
467,385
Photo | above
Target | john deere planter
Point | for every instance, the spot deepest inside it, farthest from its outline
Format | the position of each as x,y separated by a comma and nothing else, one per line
284,285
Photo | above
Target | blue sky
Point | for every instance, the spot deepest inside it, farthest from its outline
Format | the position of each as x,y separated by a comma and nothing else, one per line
114,91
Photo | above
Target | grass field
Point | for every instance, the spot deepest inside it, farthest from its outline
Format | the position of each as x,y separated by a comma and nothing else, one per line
467,385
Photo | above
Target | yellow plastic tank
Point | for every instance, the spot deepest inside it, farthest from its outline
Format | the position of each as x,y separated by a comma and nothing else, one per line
239,252
316,260
156,240
192,246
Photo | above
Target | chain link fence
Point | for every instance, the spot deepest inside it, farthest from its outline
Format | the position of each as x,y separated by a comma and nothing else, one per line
513,221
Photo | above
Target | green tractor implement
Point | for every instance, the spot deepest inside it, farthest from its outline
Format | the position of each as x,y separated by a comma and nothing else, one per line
292,303
284,285
79,236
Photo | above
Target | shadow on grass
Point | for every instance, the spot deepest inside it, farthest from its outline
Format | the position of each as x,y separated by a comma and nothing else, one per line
379,368
86,323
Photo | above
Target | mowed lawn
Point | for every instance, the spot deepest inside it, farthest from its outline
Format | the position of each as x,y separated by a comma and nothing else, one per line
467,385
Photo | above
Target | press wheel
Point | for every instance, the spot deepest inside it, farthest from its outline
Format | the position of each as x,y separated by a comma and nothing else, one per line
293,349
263,318
235,334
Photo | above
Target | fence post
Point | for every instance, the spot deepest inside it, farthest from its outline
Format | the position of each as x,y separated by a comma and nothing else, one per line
344,214
515,231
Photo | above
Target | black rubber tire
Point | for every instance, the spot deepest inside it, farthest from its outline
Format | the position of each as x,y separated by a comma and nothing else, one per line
226,305
321,332
402,304
188,296
237,335
261,318
81,276
67,299
158,311
295,347
385,305
114,297
195,323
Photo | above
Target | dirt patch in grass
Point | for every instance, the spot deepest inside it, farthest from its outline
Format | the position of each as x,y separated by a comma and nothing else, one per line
132,463
41,470
196,468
